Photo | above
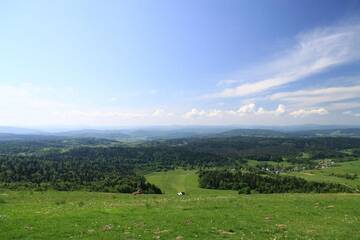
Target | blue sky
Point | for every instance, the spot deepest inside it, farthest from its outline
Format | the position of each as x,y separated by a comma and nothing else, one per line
132,63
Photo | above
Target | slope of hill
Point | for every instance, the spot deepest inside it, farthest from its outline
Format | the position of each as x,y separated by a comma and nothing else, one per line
198,215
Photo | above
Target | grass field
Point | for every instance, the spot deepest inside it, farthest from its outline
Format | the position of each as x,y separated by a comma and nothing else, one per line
201,214
325,175
179,180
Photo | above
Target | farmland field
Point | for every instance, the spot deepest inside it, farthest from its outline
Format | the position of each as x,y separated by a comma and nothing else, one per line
201,214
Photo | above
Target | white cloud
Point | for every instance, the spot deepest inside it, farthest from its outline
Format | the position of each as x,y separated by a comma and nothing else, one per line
248,108
314,52
280,109
304,112
194,113
244,110
215,113
251,109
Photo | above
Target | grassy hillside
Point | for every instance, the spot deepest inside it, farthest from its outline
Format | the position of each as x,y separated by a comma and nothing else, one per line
334,174
202,214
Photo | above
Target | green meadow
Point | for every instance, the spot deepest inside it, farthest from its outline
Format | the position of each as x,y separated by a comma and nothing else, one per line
334,174
200,214
171,182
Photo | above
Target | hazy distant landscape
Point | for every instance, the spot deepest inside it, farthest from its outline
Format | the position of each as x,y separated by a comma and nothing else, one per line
152,133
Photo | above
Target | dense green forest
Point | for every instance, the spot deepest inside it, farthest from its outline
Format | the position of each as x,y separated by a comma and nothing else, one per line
71,174
65,163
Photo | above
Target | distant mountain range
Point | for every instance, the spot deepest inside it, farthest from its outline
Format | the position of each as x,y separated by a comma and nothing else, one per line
16,130
13,133
345,132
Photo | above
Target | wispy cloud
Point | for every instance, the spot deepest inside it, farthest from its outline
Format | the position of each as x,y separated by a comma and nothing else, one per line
311,97
314,51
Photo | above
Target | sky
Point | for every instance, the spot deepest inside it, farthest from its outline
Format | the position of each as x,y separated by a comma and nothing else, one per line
203,62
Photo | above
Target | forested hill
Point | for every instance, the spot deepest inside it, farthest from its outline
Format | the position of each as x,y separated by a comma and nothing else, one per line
265,149
175,133
341,132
